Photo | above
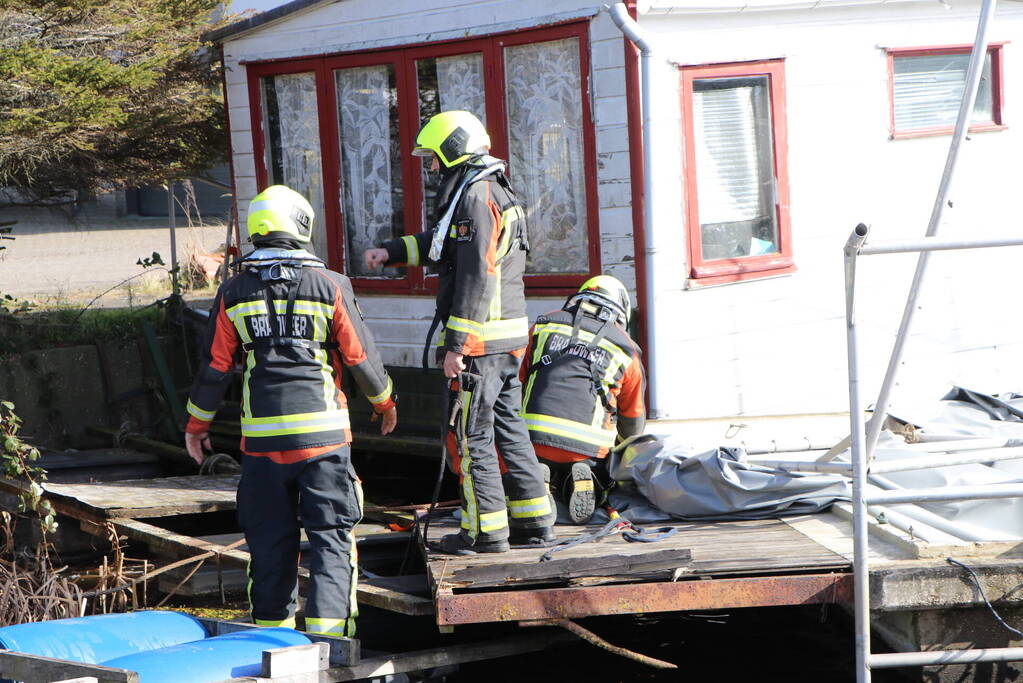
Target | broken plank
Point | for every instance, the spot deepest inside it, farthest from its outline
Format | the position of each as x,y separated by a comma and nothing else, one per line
28,668
510,573
163,542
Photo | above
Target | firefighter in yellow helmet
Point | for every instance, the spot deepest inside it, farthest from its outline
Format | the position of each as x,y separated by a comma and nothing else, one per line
292,324
479,243
584,388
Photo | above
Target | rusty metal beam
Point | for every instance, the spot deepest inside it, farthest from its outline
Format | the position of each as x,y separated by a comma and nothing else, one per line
636,598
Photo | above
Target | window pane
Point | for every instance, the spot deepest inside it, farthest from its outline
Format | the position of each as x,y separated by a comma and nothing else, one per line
447,83
292,134
734,167
928,90
371,187
545,142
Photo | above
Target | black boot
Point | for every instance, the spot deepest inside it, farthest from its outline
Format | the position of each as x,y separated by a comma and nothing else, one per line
461,544
582,499
540,537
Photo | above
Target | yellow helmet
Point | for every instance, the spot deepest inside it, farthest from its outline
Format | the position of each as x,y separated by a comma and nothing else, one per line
610,291
279,209
453,136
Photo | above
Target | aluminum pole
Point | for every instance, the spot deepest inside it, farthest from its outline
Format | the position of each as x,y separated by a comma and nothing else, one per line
946,494
894,659
925,244
973,75
861,575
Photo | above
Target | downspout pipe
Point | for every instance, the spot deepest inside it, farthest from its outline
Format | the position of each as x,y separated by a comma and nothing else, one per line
628,26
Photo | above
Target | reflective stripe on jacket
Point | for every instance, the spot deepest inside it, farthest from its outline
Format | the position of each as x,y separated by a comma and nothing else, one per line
578,397
480,296
291,388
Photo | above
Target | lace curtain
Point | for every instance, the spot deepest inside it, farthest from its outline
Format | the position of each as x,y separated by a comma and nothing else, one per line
460,84
292,131
546,151
371,188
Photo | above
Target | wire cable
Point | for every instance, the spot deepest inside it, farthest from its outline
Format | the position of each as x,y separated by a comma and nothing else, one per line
976,581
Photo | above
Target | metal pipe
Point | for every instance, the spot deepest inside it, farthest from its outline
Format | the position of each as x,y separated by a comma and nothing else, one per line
861,577
910,525
926,244
895,659
947,460
946,494
973,75
628,26
922,515
172,216
804,466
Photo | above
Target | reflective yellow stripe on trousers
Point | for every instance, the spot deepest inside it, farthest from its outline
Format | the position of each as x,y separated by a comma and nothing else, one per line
529,508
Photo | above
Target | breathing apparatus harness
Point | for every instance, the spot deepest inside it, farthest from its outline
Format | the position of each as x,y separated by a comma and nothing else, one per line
475,169
608,313
282,265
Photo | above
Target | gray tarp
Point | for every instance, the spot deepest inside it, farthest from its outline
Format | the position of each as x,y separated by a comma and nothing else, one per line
714,484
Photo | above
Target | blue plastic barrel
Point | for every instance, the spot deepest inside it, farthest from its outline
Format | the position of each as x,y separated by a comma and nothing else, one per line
211,659
105,636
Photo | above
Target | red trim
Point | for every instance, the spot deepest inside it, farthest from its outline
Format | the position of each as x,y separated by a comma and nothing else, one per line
997,89
635,130
403,58
719,271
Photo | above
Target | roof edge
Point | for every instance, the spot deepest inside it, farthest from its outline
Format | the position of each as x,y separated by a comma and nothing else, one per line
221,34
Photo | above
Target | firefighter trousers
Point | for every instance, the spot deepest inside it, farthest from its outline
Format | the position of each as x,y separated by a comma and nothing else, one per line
492,401
323,495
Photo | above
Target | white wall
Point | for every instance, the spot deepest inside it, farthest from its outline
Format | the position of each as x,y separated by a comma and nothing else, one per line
400,323
777,346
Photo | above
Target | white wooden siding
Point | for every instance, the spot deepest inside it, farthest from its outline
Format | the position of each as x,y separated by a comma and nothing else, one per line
400,323
777,346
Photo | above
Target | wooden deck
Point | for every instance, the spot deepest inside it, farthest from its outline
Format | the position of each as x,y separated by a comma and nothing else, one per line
703,566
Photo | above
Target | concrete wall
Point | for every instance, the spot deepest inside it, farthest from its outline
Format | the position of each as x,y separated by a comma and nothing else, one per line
400,323
778,346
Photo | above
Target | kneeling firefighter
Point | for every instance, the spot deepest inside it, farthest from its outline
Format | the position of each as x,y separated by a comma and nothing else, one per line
479,244
292,323
584,387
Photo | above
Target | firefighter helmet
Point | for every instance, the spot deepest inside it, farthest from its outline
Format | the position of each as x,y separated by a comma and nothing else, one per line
279,211
453,136
611,292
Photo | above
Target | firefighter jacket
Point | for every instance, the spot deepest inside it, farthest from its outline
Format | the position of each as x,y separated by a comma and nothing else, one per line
480,297
583,383
291,387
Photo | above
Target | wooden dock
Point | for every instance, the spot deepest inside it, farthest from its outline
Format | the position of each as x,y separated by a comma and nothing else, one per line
710,565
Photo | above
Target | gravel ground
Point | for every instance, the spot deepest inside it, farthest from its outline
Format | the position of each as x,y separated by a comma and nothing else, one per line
56,259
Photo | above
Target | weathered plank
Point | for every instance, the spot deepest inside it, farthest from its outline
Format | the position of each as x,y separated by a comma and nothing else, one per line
146,498
748,547
36,669
568,568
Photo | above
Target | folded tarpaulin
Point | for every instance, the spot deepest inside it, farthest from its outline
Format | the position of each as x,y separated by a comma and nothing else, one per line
963,413
719,484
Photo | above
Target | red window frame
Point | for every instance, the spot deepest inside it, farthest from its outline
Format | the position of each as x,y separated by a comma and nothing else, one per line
403,58
997,91
718,271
